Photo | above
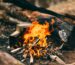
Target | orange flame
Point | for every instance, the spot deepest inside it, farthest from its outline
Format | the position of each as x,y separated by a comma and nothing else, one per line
40,31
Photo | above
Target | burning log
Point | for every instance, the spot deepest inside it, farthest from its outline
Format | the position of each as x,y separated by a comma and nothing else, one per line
35,42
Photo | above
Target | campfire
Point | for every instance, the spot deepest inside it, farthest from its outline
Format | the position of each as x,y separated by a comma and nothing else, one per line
35,38
35,42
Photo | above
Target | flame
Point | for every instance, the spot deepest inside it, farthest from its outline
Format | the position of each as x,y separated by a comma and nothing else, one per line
40,31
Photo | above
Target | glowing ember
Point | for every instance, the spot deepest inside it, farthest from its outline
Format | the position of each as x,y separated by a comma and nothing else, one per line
37,32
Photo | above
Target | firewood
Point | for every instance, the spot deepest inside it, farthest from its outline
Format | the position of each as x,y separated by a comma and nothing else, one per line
24,25
13,20
15,50
15,33
13,11
35,42
56,58
6,59
31,58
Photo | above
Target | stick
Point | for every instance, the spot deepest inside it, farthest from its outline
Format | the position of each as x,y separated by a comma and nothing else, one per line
54,57
15,50
31,58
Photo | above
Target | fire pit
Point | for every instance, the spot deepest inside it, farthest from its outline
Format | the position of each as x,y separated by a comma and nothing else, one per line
33,41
